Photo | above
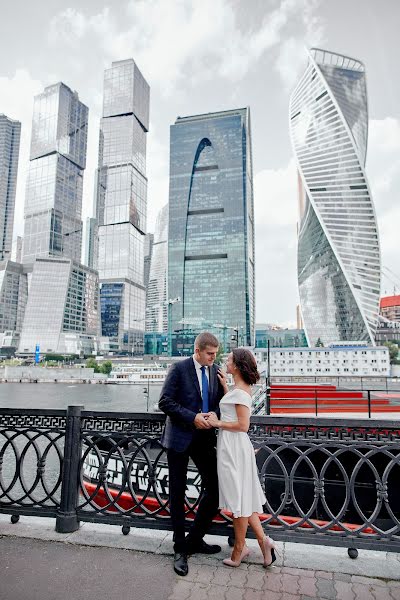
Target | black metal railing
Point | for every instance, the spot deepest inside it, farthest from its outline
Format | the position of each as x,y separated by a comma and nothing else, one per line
316,400
327,481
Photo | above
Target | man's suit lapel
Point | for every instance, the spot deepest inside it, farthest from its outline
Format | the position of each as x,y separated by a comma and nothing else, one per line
193,375
212,384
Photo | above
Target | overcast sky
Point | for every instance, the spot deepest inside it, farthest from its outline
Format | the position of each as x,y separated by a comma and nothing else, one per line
208,55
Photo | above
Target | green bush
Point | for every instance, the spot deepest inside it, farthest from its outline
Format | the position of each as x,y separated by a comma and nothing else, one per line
106,367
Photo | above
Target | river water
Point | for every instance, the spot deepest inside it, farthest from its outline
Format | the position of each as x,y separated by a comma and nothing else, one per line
119,398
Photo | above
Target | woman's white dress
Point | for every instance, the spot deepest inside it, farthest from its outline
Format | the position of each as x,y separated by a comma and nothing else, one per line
240,490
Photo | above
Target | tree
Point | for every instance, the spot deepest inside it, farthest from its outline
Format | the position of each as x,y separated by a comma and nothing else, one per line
319,343
106,367
220,353
92,363
393,352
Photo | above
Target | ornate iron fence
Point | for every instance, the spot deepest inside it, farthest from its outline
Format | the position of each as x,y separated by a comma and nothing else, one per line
327,481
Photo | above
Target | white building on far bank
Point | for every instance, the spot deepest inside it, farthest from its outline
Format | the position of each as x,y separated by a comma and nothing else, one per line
335,360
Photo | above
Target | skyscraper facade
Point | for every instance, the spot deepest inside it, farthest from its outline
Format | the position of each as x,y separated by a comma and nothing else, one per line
13,298
53,201
156,295
122,205
211,224
62,311
148,253
10,135
338,244
90,243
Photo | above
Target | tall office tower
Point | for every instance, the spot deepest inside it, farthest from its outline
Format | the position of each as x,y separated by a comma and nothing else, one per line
156,296
16,249
13,298
62,312
53,201
338,245
148,253
10,135
90,243
122,205
211,224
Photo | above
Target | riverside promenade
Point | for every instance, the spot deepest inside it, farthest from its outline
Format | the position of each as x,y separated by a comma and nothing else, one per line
98,562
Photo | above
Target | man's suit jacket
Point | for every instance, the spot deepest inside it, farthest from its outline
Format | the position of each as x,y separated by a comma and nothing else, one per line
181,400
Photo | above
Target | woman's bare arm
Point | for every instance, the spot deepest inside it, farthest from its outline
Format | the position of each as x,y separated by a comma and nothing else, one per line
242,423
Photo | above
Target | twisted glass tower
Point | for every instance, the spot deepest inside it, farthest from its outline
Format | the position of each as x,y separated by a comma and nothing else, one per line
338,244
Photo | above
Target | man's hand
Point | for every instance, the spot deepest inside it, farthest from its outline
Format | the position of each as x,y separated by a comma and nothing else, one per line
200,421
213,419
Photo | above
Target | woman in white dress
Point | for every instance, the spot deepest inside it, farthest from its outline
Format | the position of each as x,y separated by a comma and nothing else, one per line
240,490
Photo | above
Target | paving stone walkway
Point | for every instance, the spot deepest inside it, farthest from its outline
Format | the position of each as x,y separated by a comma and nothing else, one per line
208,579
97,562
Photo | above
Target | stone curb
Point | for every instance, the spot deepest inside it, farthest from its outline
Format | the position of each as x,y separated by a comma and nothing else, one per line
371,564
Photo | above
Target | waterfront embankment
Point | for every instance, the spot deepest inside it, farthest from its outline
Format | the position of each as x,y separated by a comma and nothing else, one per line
39,374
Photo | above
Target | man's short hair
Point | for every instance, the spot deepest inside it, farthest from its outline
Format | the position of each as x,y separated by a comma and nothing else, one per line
205,339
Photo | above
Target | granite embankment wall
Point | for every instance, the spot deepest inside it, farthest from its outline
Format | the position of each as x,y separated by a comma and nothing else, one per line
32,373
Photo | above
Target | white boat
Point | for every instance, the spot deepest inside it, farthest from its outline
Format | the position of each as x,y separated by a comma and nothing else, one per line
137,374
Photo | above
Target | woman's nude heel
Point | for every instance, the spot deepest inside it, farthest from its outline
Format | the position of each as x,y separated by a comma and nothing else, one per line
235,563
269,555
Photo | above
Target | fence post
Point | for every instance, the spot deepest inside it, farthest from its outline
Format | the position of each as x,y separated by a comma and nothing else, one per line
268,400
67,520
369,404
316,402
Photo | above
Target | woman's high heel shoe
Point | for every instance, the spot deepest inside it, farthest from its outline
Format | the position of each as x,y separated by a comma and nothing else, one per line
235,563
269,552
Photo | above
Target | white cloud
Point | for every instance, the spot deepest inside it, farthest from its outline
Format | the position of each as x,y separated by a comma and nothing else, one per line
275,193
70,26
292,56
158,176
16,101
178,41
383,171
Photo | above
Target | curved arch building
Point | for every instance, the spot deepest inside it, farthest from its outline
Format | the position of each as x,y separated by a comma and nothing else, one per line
338,244
211,225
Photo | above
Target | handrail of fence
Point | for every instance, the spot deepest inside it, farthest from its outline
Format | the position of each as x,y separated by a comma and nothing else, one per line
328,481
317,400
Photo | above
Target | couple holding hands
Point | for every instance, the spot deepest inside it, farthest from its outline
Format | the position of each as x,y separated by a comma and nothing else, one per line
196,400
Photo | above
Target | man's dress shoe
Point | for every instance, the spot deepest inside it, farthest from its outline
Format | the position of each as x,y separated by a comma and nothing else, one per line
202,548
181,564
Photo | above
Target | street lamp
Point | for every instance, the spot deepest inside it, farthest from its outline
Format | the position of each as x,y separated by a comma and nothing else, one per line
169,303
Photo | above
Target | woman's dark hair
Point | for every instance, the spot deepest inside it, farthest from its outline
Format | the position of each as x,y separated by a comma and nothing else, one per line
245,362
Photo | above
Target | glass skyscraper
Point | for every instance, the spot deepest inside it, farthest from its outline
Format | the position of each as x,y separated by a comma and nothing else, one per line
148,253
13,297
90,243
62,312
122,205
211,225
156,296
62,308
338,245
10,135
53,201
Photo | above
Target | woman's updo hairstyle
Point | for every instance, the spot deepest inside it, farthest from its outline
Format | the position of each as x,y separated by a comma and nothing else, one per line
246,364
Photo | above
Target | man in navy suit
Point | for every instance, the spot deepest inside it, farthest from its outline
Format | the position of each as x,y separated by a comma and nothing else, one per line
191,390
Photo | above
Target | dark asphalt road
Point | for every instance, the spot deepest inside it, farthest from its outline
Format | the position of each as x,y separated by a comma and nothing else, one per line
39,570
